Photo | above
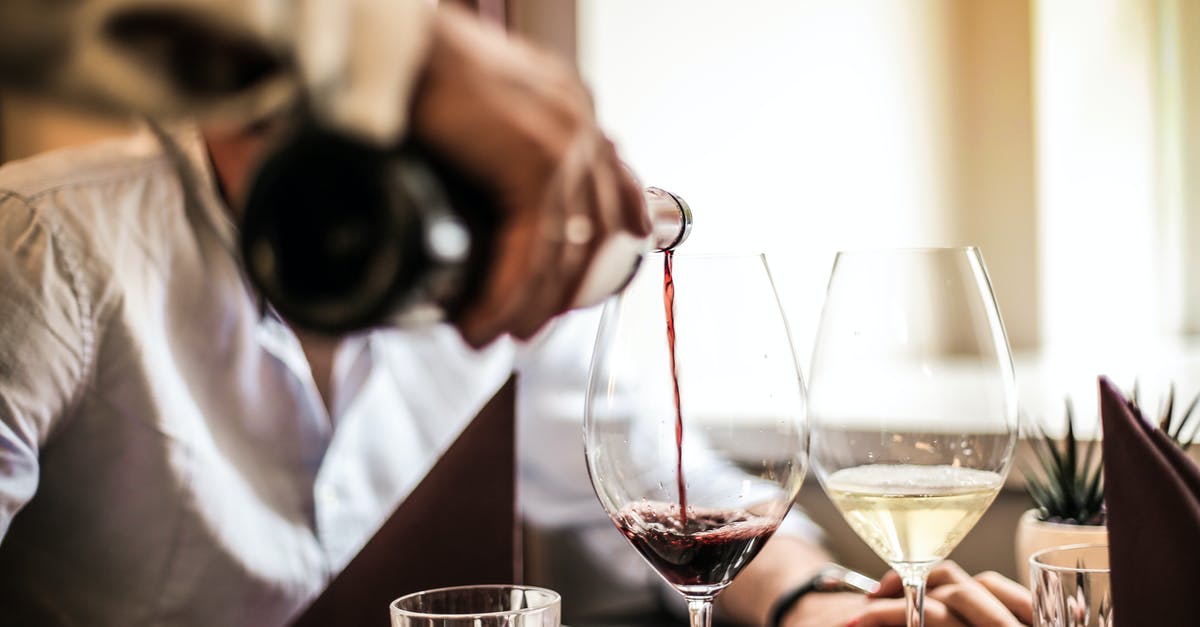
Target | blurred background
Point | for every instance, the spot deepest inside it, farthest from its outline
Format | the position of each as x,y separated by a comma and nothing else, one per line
1061,137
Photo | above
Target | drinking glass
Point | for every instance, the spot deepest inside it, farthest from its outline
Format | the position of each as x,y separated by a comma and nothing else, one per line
912,403
478,606
694,426
1071,587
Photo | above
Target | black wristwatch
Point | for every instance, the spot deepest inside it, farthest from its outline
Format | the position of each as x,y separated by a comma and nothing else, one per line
832,578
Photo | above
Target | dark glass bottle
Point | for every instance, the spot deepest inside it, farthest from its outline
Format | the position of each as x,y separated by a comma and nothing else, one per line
340,236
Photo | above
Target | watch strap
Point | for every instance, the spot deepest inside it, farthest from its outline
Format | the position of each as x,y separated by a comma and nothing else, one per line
786,602
831,578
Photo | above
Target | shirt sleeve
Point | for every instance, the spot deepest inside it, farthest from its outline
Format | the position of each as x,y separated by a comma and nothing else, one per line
46,342
356,61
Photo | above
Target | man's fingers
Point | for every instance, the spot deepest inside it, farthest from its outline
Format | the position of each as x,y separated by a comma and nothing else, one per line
1013,595
988,600
543,254
580,212
536,293
892,613
944,573
974,604
881,613
524,126
889,586
521,253
592,208
631,209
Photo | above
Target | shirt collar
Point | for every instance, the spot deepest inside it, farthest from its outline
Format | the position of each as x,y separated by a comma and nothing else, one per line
205,207
208,212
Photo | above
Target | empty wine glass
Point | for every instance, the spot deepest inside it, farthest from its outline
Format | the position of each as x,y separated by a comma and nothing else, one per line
478,606
1071,586
912,403
694,429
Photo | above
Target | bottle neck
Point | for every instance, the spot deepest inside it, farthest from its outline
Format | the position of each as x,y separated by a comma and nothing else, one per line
615,262
670,218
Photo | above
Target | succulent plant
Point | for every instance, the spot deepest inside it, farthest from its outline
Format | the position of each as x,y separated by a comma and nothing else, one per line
1168,422
1070,486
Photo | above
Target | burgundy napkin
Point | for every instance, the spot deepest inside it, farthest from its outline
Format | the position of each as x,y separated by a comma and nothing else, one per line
1152,493
458,527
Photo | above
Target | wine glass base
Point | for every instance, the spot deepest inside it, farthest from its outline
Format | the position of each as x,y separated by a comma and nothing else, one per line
700,592
914,570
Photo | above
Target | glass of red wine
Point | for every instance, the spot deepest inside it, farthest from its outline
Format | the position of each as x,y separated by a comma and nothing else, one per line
695,422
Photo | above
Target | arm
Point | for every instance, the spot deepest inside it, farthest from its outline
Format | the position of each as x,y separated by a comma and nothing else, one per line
785,563
354,61
45,345
955,599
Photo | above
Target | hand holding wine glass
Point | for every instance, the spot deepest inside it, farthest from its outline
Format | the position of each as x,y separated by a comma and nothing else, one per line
954,599
912,403
691,360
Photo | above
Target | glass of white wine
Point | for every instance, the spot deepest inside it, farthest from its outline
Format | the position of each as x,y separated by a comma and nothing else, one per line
912,403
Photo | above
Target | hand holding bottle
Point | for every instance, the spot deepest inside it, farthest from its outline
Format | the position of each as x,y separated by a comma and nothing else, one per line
522,124
505,206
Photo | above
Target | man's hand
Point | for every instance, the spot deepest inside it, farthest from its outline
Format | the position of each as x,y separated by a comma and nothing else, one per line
521,123
953,599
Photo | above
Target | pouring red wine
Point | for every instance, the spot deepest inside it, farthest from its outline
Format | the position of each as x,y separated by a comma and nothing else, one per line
662,404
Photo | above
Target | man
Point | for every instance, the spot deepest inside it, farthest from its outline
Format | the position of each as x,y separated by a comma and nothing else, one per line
169,455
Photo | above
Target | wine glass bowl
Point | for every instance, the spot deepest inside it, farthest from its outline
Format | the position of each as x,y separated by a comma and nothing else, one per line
661,415
912,402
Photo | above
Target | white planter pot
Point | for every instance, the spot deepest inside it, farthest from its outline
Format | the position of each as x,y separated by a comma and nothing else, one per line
1034,535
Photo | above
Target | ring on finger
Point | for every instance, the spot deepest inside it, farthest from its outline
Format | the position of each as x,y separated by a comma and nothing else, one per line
578,229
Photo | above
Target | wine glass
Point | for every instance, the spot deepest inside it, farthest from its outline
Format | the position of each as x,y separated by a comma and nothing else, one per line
478,606
912,403
694,428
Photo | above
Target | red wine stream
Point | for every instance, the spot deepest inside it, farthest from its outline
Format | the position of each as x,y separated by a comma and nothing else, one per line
706,548
669,303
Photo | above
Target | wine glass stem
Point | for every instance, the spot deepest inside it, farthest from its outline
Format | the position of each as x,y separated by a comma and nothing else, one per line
700,611
914,600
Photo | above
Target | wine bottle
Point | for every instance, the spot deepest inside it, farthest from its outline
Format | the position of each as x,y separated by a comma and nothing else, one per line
339,235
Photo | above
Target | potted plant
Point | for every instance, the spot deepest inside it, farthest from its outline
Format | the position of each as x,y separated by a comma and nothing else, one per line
1167,421
1067,492
1068,487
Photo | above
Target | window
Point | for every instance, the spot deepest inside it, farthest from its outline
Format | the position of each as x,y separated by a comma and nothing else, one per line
1060,136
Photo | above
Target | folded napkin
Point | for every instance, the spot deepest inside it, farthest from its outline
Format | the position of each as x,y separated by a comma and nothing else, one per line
458,527
1152,493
